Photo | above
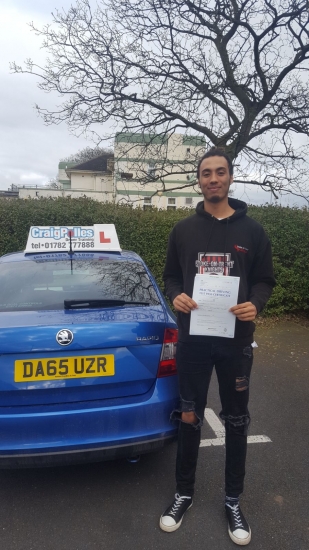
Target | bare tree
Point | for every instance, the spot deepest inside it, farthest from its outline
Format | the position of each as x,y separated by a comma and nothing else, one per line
54,183
235,72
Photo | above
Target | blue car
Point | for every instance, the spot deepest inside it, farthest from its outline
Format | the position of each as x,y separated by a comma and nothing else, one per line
87,352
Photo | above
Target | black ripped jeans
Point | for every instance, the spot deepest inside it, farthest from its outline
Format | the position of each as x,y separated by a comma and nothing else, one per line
195,363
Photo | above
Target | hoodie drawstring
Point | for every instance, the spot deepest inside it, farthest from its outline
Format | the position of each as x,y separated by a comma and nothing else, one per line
225,245
210,232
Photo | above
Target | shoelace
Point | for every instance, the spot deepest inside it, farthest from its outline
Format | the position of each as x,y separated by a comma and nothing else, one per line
237,518
178,501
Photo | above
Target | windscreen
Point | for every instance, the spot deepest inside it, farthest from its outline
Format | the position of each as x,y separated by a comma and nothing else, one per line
31,285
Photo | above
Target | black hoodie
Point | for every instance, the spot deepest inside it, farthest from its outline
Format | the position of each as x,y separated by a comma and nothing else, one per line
236,246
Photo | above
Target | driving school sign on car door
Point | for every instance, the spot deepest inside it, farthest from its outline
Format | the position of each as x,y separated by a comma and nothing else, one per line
64,238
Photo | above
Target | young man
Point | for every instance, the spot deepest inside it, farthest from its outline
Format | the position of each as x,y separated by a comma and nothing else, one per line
220,239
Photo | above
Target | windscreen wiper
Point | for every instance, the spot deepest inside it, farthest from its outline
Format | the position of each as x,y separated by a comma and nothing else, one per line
82,304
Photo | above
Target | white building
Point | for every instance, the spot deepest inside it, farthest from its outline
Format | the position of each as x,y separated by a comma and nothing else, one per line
157,171
145,170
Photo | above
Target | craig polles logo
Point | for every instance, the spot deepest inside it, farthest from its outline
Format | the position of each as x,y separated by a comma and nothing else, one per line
64,337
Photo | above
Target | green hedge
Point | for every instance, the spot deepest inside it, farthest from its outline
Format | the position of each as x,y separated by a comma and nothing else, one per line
147,232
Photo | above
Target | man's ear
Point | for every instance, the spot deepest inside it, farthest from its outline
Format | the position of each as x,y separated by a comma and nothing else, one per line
231,180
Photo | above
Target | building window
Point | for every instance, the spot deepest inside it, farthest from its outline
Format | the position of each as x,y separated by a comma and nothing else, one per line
188,150
188,177
147,203
151,171
126,176
171,204
188,201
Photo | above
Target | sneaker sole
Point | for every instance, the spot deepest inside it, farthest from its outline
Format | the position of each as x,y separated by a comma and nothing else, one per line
240,542
171,528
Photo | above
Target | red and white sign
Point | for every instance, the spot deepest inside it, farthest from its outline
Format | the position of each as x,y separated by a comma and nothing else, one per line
106,238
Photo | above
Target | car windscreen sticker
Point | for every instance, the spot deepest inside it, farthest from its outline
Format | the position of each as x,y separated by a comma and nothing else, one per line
99,237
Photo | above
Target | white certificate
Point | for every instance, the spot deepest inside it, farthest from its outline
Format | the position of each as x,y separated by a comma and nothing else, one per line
214,296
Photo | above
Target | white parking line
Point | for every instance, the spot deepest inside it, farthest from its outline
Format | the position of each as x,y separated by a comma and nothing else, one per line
219,430
214,422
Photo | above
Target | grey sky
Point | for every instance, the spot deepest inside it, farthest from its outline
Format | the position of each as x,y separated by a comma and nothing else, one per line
29,150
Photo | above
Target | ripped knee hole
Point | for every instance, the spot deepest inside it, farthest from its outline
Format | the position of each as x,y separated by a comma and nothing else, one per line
242,383
189,417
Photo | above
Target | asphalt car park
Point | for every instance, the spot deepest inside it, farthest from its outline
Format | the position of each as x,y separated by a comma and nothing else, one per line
117,504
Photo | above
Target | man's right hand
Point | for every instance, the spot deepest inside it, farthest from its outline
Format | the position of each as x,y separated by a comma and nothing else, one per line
184,303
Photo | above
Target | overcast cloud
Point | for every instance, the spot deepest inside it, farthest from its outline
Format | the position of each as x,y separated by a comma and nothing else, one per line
29,150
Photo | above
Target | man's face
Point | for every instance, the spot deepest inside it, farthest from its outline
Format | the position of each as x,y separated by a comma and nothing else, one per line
215,179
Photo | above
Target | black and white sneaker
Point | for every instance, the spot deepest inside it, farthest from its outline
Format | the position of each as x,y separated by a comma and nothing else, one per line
173,516
238,527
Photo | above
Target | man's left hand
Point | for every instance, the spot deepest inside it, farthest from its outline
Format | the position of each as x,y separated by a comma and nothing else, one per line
244,312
